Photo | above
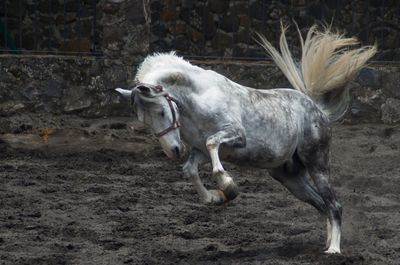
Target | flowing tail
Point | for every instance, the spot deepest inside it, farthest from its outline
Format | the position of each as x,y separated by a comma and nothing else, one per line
326,67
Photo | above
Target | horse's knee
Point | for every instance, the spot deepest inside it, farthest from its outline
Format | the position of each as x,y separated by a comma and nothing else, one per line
337,212
211,144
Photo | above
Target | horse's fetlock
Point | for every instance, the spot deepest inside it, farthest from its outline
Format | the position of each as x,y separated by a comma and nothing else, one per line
219,172
339,207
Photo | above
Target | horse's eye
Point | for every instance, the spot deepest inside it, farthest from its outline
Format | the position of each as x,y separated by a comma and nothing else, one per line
162,113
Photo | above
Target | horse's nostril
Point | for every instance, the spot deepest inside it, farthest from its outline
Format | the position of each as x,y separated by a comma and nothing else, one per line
176,151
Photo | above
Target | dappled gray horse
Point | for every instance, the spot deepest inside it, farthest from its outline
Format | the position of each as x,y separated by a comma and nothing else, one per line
286,131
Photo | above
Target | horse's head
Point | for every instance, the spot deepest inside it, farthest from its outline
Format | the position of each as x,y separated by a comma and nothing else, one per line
157,109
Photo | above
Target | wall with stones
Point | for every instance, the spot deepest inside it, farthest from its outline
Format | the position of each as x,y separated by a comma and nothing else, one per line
224,28
62,85
82,85
85,85
51,26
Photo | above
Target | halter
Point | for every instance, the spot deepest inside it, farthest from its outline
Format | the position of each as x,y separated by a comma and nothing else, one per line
158,89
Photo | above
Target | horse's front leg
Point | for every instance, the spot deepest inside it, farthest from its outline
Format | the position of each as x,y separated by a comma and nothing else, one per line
232,138
190,170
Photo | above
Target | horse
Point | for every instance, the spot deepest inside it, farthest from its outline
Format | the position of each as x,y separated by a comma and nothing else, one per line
286,131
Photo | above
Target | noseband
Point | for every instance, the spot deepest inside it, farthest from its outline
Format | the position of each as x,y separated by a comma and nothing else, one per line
158,89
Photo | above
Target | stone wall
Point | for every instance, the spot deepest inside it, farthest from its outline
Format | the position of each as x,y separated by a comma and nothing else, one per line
51,26
224,28
80,84
62,85
85,85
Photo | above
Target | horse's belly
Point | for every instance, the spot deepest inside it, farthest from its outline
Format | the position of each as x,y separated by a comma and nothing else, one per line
260,156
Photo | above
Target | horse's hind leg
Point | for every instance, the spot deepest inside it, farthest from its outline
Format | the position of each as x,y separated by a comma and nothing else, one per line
190,170
293,176
317,165
320,177
230,137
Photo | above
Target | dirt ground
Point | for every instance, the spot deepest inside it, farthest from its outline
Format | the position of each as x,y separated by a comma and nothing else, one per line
79,191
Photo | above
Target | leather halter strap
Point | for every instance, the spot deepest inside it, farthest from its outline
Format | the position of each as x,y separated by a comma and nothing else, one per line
158,89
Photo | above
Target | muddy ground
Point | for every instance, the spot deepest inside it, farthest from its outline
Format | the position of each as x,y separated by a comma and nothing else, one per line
78,191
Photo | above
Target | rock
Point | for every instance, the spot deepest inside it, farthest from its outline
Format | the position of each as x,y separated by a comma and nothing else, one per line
135,12
222,41
319,11
75,99
258,10
110,8
230,23
54,89
370,77
391,111
112,34
218,6
181,43
245,21
363,112
243,36
391,84
156,5
10,107
77,45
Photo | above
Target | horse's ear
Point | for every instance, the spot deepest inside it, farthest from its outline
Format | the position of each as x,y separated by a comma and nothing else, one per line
125,93
144,90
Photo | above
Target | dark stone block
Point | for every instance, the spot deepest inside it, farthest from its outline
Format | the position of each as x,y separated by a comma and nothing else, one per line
370,77
320,12
376,3
113,34
333,4
259,10
159,30
156,6
54,89
110,9
15,9
243,36
237,52
391,84
222,41
48,7
230,23
218,6
155,16
208,27
135,12
185,14
391,111
181,43
240,8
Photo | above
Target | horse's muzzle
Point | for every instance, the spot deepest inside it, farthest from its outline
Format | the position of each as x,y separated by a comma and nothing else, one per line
177,152
174,152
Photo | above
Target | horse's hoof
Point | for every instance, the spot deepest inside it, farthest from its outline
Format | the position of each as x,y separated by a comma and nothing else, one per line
231,191
332,251
217,198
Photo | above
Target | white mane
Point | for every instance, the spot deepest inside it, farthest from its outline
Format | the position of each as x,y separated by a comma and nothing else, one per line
161,61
